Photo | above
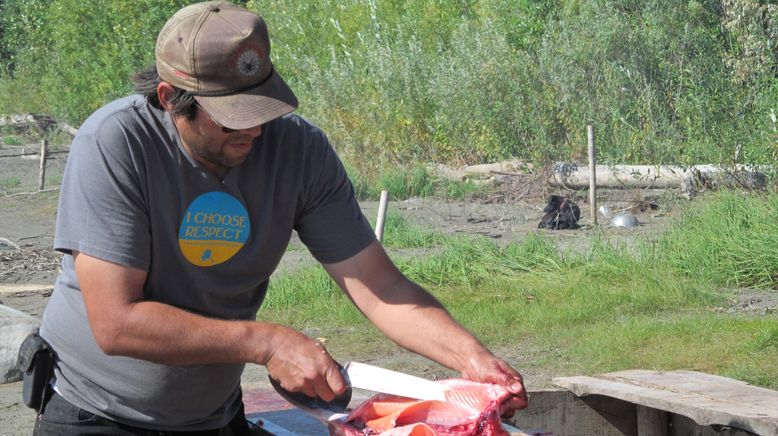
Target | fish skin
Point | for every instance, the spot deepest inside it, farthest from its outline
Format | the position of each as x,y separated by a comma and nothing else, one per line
470,409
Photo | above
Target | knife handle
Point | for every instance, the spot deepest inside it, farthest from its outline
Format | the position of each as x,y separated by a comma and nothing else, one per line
299,399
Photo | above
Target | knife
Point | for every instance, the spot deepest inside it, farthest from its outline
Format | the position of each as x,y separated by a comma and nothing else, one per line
324,411
373,378
367,377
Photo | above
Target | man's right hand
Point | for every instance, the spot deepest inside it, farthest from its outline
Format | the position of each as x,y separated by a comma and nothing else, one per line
301,364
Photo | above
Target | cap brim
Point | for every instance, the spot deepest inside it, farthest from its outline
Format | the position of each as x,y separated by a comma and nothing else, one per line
252,107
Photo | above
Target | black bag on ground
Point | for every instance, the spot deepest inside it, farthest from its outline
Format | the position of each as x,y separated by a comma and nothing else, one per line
561,214
36,362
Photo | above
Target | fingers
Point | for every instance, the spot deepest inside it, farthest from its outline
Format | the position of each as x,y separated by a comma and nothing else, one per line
487,368
514,382
335,379
513,404
317,381
517,402
331,384
304,365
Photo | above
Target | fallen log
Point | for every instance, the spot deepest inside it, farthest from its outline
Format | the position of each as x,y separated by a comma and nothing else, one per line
24,123
688,179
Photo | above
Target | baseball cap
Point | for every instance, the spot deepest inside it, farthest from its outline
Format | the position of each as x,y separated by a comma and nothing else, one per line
221,53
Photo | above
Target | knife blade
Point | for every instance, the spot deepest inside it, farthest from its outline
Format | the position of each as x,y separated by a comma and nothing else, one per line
325,412
373,378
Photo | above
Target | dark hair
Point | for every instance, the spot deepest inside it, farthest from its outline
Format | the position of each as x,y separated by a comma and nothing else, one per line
145,83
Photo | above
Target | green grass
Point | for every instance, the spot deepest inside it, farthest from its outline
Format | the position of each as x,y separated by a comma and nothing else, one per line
55,180
731,240
470,263
459,190
398,233
401,183
10,182
652,306
741,347
11,140
404,183
296,247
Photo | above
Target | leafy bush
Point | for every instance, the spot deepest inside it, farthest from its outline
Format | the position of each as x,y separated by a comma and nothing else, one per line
69,68
463,81
523,79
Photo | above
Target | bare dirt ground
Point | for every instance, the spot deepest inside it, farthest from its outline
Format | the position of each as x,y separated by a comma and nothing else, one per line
28,265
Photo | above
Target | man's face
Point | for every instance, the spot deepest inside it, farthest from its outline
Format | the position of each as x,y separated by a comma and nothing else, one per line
215,147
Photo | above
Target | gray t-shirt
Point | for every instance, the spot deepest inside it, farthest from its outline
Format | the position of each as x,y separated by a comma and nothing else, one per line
132,195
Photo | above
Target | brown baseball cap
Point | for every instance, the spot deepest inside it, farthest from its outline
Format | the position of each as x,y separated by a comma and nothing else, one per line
221,53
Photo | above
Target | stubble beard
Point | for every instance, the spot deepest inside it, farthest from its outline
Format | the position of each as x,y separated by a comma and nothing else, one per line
219,157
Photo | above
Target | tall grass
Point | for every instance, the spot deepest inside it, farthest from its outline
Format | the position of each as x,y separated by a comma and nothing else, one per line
610,308
402,183
398,233
472,263
730,240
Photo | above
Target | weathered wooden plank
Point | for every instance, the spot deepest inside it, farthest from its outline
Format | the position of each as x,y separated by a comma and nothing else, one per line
707,399
736,395
652,422
719,388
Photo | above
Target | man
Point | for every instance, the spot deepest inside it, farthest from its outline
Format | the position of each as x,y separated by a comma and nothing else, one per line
175,209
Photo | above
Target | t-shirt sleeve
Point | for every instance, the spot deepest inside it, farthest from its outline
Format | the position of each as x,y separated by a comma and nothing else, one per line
101,208
331,223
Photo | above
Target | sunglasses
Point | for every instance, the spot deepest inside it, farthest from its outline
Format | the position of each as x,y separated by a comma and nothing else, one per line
224,129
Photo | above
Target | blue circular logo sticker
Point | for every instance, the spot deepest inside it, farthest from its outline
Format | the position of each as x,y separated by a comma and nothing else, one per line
214,228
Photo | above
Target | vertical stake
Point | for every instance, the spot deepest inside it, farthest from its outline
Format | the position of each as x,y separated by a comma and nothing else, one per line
381,219
42,169
592,176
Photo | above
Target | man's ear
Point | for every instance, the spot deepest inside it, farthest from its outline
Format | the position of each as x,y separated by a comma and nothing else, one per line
165,93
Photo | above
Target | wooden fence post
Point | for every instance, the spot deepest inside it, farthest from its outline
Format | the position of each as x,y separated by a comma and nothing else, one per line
592,176
381,219
42,170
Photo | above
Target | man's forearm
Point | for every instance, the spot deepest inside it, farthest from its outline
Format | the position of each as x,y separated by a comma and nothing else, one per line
125,323
403,310
426,328
165,334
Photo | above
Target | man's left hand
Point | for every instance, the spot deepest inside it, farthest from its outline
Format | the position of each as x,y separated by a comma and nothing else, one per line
486,368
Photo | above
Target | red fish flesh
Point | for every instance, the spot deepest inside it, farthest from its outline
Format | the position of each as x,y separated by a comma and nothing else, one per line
470,409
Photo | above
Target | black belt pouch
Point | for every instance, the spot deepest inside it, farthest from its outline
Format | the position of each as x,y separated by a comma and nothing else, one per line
36,362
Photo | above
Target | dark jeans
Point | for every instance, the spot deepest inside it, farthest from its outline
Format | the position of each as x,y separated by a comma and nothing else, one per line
60,418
